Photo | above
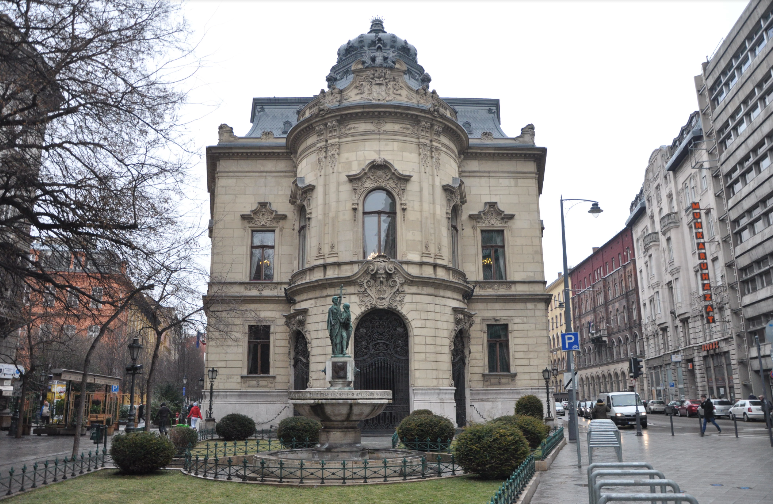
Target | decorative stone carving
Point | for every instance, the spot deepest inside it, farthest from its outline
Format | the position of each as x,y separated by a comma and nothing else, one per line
378,125
495,286
486,136
225,133
267,135
296,321
456,194
379,173
491,215
382,286
321,158
300,195
261,287
377,85
436,159
332,156
526,136
424,155
264,216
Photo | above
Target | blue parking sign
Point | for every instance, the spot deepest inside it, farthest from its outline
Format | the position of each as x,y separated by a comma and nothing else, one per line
570,341
114,389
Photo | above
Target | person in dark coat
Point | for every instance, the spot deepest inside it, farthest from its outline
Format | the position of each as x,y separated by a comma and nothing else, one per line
600,410
141,413
162,418
708,414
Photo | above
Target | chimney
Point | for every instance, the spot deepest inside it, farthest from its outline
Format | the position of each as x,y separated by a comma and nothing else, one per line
595,249
560,274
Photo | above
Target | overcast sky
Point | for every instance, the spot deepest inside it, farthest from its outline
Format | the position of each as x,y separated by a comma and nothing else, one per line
604,83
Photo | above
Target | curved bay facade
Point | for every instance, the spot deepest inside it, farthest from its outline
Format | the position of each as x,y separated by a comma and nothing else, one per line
418,208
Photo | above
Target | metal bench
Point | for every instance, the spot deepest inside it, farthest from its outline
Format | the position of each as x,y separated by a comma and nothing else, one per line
602,438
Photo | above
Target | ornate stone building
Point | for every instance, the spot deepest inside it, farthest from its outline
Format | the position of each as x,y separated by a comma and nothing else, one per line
419,207
557,325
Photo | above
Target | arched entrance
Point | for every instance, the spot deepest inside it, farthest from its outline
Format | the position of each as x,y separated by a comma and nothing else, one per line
300,362
381,356
458,373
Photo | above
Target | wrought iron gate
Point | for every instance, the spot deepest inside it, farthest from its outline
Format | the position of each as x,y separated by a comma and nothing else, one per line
381,355
300,362
458,373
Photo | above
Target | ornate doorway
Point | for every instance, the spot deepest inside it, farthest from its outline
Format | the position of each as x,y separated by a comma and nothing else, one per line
381,355
459,373
300,364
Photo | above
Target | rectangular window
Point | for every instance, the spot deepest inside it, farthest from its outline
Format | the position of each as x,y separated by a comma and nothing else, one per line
262,260
49,297
493,244
657,301
498,348
93,331
678,290
72,299
69,330
96,294
710,223
717,271
258,349
670,248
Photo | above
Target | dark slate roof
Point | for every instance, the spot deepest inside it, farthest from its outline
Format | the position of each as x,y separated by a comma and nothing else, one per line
377,48
477,115
277,115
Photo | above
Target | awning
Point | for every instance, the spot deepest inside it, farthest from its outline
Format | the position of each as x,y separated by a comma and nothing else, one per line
77,376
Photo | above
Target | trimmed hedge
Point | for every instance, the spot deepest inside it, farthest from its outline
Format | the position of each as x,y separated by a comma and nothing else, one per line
183,436
529,405
141,452
423,427
535,431
492,451
235,427
304,430
422,412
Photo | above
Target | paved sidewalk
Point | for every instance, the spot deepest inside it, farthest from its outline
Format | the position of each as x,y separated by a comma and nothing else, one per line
716,469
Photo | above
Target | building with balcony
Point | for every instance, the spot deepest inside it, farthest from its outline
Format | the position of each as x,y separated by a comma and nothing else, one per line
420,207
690,314
735,91
605,311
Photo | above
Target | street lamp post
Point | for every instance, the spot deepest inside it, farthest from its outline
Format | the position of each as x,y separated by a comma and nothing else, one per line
546,377
212,373
134,368
201,388
595,210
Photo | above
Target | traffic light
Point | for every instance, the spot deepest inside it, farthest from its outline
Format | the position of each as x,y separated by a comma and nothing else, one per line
631,366
637,367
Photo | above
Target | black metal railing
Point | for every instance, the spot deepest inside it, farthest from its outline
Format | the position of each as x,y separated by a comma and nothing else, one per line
46,472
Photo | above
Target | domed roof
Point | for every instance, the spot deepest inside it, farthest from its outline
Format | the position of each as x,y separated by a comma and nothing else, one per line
377,48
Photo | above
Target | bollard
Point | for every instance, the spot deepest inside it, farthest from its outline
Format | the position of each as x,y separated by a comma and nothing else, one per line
700,424
735,424
671,417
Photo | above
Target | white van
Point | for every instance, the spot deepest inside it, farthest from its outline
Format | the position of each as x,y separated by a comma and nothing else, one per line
622,408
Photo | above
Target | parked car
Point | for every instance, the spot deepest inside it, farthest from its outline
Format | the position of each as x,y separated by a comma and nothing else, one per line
623,406
656,406
721,407
748,410
688,408
671,408
560,411
587,409
565,404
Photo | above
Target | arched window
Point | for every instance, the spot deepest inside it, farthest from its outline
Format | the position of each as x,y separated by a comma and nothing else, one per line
379,223
302,239
455,237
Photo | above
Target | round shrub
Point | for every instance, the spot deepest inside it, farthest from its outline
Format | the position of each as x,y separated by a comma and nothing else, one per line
141,452
529,405
426,432
183,436
492,450
422,412
298,432
235,427
534,430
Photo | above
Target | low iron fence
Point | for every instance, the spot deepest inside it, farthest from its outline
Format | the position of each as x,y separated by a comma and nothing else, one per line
550,442
512,488
43,473
323,472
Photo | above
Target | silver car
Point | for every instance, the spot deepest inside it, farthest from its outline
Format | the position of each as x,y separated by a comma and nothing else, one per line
722,407
656,406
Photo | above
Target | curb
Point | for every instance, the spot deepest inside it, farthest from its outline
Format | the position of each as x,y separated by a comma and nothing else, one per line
541,466
544,465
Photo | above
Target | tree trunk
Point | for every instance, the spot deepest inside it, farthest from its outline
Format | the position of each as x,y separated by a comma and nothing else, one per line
151,371
20,424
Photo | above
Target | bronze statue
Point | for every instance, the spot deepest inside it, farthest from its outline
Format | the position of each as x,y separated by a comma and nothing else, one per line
339,326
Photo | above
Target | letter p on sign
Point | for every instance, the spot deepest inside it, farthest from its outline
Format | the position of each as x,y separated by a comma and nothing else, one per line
570,341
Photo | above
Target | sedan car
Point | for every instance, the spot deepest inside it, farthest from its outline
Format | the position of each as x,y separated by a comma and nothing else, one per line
671,408
656,406
722,407
587,409
560,409
748,410
688,408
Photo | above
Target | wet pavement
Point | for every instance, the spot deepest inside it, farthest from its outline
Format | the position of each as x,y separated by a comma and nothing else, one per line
716,469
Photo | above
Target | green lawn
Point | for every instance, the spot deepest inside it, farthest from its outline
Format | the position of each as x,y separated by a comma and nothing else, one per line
106,487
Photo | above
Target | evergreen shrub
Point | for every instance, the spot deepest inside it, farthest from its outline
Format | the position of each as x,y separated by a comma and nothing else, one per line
492,450
529,405
422,412
183,436
235,427
141,452
415,430
305,432
534,430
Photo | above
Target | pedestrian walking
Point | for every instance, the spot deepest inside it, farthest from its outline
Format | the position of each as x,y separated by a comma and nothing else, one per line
45,413
769,409
141,413
195,415
600,410
162,418
708,413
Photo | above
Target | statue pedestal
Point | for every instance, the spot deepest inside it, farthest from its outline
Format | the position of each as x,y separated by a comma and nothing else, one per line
340,372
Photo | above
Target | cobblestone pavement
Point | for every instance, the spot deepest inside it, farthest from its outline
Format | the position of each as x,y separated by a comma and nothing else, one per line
716,469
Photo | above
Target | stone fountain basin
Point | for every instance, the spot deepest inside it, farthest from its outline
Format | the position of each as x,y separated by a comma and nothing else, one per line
334,406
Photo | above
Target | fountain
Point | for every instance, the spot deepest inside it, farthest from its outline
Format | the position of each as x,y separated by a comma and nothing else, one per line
339,408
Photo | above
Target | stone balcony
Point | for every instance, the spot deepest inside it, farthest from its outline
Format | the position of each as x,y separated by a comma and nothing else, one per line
668,222
650,239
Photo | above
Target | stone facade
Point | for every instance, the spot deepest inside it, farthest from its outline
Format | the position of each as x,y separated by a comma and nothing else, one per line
605,311
422,290
557,325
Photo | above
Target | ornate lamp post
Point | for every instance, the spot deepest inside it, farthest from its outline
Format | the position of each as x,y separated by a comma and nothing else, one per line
546,377
134,368
595,210
212,373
